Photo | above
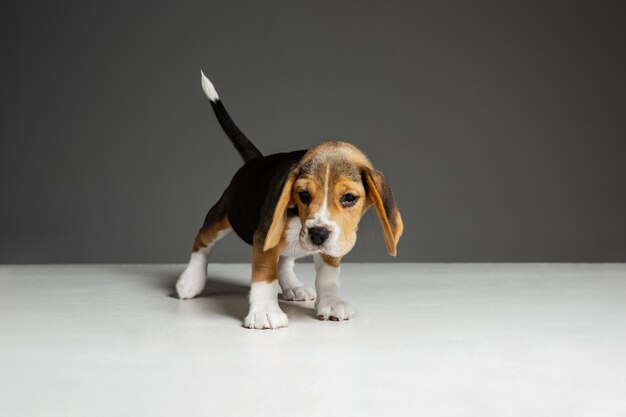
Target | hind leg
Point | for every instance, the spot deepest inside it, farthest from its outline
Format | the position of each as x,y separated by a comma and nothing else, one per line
216,225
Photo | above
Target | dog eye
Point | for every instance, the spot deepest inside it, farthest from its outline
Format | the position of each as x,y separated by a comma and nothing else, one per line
304,196
348,200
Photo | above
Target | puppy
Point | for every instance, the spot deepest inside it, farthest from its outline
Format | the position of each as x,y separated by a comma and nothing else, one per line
287,206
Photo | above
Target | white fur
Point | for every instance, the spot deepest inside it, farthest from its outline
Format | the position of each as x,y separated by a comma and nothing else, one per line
329,303
293,231
192,281
264,311
322,218
292,288
208,88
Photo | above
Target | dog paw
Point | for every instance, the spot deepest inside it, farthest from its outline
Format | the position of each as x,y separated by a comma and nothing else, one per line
299,294
269,318
334,309
190,284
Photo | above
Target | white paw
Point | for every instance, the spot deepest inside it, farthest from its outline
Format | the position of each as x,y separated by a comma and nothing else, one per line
334,309
190,284
265,318
301,293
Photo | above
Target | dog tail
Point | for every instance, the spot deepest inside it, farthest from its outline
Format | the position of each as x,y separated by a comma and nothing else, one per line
246,149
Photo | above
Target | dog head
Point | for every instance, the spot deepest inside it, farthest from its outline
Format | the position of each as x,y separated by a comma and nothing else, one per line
332,186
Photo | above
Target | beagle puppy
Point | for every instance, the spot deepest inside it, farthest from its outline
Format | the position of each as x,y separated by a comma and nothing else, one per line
287,206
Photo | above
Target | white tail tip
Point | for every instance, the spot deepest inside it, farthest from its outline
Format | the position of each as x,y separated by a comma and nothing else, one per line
208,88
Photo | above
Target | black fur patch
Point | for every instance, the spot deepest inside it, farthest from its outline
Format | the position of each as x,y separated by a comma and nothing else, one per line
254,191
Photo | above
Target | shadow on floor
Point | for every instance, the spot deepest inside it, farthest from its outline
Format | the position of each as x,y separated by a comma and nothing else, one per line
231,298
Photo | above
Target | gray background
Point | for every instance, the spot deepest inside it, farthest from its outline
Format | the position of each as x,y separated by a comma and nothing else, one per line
501,126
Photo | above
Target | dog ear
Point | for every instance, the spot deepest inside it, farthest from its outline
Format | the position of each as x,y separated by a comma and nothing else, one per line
279,216
381,197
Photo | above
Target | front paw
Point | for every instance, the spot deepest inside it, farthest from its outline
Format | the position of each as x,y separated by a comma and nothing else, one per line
190,283
265,318
299,294
334,309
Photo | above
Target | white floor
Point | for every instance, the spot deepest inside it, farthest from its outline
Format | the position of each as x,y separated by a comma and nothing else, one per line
428,340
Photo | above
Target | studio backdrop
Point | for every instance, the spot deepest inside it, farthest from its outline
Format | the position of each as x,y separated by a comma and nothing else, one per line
501,126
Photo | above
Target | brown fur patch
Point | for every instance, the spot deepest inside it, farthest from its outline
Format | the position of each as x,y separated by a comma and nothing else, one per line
335,149
331,260
208,233
380,195
265,262
346,179
279,218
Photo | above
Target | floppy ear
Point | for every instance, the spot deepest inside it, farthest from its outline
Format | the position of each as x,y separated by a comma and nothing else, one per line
380,195
279,217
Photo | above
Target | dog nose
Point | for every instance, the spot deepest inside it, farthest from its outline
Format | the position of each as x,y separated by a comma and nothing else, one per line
318,235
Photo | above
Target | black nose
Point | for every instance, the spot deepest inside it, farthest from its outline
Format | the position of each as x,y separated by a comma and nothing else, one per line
318,235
